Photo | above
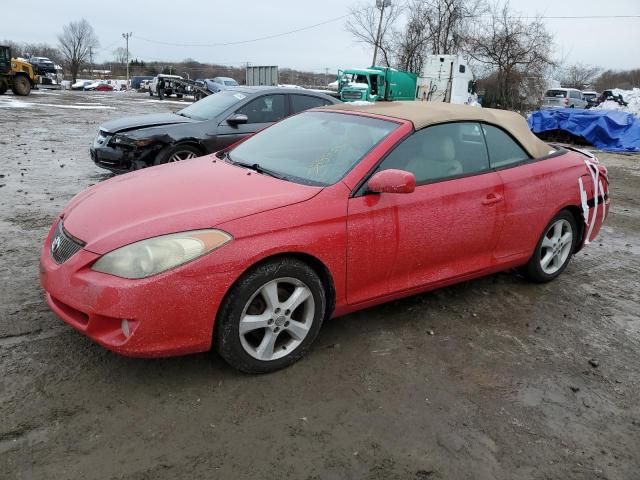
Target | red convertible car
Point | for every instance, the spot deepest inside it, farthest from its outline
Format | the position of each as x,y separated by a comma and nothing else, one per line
327,212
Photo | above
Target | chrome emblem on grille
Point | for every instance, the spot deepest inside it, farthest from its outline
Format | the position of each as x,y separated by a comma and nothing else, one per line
55,245
63,245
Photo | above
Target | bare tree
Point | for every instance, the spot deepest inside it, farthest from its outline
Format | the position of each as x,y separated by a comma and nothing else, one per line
120,55
363,25
448,22
579,75
435,26
76,42
409,45
515,52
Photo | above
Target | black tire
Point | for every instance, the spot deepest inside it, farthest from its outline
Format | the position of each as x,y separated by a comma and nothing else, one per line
21,85
227,339
150,93
165,155
3,86
179,95
533,270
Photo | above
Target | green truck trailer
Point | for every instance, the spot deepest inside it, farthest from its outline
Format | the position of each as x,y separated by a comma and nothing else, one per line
376,84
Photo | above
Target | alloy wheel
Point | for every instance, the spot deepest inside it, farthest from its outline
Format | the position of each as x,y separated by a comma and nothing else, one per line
276,319
556,246
181,155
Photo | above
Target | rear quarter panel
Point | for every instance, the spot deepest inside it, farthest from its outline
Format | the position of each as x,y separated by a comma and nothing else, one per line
567,173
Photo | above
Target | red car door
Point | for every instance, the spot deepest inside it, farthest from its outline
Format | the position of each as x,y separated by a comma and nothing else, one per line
448,227
526,193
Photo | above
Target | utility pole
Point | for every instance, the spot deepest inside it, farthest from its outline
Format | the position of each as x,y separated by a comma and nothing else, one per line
126,37
379,4
91,62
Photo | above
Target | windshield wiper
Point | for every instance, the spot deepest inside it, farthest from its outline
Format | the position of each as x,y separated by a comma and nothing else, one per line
182,115
255,167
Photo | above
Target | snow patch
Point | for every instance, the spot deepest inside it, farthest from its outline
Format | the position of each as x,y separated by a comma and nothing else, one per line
13,103
632,97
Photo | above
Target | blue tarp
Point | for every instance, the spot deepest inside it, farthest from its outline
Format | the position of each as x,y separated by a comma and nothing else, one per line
608,130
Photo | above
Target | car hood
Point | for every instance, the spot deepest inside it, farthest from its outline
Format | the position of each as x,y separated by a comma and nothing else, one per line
176,197
143,121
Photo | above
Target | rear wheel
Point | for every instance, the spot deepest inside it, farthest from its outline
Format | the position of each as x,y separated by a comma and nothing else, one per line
177,153
554,249
270,318
21,85
3,86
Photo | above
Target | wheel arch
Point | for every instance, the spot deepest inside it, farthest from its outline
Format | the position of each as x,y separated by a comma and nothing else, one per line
576,212
313,262
192,142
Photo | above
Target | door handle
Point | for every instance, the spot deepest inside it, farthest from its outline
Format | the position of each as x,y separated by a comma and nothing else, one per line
491,199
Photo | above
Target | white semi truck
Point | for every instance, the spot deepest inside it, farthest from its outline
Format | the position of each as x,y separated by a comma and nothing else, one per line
447,79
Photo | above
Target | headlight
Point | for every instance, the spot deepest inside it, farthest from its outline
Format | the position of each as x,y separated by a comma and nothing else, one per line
124,140
155,255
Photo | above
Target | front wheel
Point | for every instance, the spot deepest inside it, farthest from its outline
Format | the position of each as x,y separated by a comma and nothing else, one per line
21,85
177,153
554,249
270,318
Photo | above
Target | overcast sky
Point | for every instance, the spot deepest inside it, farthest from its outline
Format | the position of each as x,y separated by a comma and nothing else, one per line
611,43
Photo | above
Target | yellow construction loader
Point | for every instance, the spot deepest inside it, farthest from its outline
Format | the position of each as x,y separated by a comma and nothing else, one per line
15,74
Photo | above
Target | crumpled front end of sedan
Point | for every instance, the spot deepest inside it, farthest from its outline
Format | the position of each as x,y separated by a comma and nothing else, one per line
121,153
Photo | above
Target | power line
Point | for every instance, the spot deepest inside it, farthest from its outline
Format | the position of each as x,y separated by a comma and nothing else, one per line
567,17
240,42
335,19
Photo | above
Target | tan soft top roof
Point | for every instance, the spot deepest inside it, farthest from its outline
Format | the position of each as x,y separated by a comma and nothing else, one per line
423,114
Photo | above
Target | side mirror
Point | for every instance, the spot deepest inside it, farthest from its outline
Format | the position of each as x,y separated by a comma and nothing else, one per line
237,119
392,181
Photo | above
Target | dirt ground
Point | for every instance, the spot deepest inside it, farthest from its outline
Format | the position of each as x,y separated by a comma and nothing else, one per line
491,379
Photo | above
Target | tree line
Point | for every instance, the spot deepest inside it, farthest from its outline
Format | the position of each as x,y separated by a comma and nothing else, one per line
511,55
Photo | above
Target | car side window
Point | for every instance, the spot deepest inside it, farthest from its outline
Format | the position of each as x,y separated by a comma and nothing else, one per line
300,103
264,109
440,152
503,150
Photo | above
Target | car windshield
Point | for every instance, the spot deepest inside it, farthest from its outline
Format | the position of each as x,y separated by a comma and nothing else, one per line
556,93
589,96
231,83
210,107
313,148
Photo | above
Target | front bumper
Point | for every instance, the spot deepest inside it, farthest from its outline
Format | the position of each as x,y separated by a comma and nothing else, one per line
121,160
168,314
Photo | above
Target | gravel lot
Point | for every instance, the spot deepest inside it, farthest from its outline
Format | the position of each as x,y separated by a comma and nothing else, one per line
491,379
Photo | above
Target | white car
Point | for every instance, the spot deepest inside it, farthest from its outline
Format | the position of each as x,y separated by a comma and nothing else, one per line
563,98
80,84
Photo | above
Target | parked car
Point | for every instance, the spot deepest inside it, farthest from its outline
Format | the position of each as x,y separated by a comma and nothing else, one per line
168,86
42,65
99,86
591,97
327,212
206,126
79,85
218,84
104,87
563,98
